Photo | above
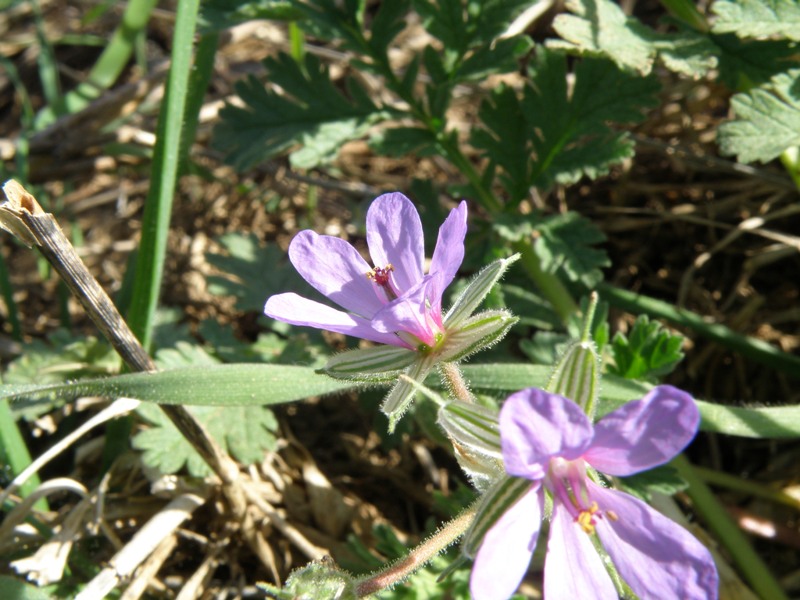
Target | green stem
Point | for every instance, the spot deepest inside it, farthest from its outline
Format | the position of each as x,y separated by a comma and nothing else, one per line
198,84
14,452
297,42
418,557
549,285
158,208
790,158
756,350
738,484
457,158
110,64
750,565
687,11
7,291
455,382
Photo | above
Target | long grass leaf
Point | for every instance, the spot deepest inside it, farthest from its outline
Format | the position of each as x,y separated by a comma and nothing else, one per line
156,219
110,64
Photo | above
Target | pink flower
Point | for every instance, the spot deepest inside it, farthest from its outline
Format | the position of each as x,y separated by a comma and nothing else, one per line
548,439
393,301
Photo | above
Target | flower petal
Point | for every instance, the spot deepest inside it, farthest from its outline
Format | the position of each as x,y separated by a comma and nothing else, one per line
655,556
394,236
335,269
644,433
294,309
572,567
506,551
409,313
449,252
535,426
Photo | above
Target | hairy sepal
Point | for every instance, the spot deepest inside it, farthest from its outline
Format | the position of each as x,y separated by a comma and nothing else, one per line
475,434
401,395
476,291
370,365
476,333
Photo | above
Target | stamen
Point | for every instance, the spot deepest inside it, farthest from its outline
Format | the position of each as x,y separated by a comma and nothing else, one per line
586,518
382,277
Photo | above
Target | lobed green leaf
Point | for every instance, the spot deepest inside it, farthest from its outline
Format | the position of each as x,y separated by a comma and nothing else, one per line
311,112
647,352
767,120
758,18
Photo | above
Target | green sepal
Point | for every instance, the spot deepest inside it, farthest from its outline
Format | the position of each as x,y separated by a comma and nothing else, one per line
379,363
316,580
473,425
476,333
576,376
475,434
399,399
476,291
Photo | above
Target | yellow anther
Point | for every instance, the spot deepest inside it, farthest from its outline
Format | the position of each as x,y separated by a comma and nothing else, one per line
586,518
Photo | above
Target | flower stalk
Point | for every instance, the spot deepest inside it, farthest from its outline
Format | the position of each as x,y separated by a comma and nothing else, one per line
418,557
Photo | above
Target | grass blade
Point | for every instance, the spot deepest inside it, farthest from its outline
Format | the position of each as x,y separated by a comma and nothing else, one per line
158,208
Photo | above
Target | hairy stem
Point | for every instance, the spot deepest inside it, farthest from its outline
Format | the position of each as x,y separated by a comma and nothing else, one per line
454,379
418,557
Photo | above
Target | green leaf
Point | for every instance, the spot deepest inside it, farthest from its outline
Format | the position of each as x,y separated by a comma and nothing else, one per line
12,587
758,18
387,23
648,352
402,141
207,385
461,25
662,480
246,431
600,28
59,359
312,112
500,57
767,120
252,384
216,15
744,64
565,243
554,135
184,354
253,272
505,139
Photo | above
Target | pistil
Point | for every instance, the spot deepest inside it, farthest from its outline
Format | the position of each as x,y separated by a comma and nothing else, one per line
382,277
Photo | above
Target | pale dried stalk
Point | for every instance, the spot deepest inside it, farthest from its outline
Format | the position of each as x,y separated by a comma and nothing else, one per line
145,575
117,408
22,216
142,545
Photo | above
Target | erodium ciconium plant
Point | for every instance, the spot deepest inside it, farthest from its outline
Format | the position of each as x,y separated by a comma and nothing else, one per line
393,301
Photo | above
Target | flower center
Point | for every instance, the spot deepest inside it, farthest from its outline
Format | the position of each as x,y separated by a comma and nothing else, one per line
382,278
566,480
